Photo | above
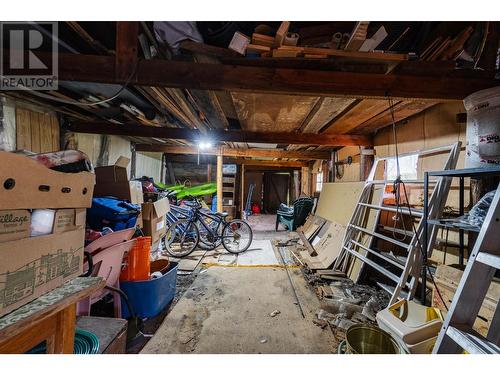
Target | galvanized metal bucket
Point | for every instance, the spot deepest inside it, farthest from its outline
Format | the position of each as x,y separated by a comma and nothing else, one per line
366,339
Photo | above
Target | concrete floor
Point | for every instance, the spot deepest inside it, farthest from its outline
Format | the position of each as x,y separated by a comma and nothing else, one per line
227,310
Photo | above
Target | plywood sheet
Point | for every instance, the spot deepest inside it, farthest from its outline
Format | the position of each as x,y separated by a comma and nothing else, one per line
272,113
363,111
327,248
23,129
337,201
45,132
324,112
35,132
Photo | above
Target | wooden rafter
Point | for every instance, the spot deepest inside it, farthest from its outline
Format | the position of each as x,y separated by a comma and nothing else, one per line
135,130
241,161
181,74
236,152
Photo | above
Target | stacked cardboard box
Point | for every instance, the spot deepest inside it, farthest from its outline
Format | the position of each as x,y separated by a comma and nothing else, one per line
154,219
32,266
112,181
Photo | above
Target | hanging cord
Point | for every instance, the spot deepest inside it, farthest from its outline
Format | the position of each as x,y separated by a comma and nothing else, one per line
399,213
76,102
397,191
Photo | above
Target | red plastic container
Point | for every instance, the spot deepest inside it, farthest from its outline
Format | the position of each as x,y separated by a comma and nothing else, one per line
137,266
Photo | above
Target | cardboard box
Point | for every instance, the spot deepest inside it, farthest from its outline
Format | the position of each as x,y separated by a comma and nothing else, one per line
14,225
126,190
112,181
153,217
27,184
33,266
113,173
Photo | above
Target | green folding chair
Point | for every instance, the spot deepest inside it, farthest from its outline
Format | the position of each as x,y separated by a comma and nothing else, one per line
294,216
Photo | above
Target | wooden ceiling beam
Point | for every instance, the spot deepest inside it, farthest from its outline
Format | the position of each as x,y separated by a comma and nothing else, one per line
240,161
236,152
137,130
182,74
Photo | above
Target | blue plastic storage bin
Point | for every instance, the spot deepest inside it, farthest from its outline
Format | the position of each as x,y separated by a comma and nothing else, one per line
150,297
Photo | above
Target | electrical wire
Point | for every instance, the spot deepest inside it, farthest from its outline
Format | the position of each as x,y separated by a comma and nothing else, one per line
397,191
76,102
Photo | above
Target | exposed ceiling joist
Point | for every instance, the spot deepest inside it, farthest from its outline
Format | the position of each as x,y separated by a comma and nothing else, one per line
241,161
236,152
181,74
137,130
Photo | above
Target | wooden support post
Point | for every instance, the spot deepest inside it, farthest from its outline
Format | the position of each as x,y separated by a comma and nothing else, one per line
242,191
305,181
126,48
367,157
219,180
209,172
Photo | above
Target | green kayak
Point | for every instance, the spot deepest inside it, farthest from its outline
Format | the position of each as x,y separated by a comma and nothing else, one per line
198,190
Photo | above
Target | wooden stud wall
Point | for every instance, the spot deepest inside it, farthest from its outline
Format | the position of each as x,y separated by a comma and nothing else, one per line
36,131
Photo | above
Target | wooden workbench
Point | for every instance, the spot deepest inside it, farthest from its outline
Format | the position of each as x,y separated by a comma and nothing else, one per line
50,318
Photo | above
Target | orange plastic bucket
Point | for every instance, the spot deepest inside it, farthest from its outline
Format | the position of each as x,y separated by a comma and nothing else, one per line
137,266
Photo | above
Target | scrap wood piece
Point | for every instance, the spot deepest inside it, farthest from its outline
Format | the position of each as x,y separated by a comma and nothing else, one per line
281,33
310,249
358,36
263,40
457,44
377,38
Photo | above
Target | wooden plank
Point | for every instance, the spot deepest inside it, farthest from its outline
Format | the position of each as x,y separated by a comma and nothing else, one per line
358,36
45,132
48,305
56,141
240,161
23,129
360,113
184,74
325,110
235,152
219,180
310,249
281,33
272,113
35,131
263,40
126,48
136,130
402,110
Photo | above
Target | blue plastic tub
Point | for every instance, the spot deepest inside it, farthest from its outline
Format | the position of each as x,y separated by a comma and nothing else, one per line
150,297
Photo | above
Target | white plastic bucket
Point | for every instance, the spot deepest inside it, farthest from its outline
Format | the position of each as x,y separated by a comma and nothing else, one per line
483,128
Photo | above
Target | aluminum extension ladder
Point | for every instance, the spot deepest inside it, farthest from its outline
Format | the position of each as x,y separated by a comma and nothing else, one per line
356,231
457,333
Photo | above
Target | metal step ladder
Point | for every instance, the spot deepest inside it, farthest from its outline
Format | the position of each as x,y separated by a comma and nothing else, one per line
457,333
358,239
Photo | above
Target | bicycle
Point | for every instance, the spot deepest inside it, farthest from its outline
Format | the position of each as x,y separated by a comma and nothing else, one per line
207,230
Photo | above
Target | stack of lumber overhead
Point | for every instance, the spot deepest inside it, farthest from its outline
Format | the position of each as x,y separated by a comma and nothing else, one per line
269,46
446,48
358,36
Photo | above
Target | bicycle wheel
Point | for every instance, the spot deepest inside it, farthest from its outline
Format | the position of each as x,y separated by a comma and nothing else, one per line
237,236
208,240
181,238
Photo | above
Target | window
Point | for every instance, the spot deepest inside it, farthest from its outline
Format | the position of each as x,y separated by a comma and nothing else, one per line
407,166
319,181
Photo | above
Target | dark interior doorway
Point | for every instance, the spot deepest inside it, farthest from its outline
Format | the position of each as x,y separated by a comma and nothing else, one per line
276,186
